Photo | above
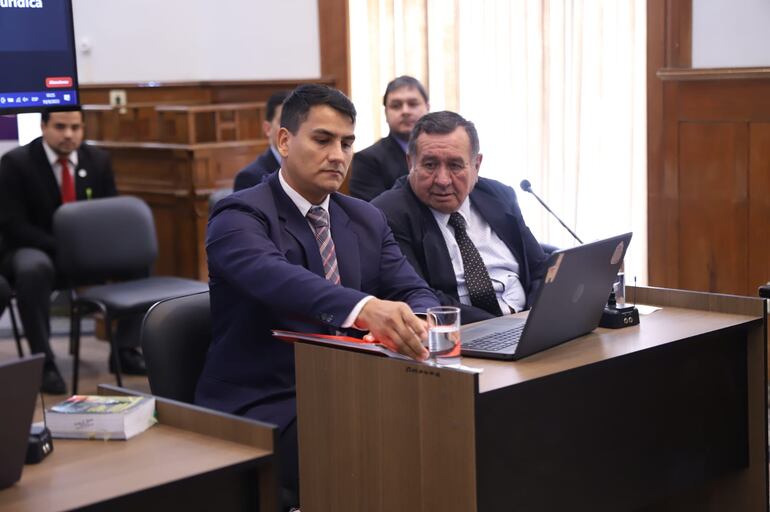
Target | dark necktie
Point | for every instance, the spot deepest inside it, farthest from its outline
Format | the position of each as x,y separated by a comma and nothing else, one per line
476,276
67,183
319,219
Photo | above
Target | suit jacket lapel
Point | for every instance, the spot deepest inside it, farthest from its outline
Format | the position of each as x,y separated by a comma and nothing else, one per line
45,174
82,182
503,223
438,265
296,225
399,166
346,246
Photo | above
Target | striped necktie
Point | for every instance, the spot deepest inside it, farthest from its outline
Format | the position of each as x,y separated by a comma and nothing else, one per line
480,289
319,219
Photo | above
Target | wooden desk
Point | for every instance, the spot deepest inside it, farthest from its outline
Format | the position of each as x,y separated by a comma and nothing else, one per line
668,415
194,459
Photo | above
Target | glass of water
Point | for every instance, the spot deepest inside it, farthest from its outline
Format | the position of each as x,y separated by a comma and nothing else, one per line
444,334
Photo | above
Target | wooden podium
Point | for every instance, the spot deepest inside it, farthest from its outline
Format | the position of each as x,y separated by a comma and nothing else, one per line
667,415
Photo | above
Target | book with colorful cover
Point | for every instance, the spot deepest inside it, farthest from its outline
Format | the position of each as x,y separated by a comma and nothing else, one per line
101,417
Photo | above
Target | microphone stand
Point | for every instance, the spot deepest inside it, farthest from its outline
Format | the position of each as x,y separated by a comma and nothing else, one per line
614,315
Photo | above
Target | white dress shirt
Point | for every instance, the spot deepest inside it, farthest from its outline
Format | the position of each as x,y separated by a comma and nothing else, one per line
303,205
500,262
53,159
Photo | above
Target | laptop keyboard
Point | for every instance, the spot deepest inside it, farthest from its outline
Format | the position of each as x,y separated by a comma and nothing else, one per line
498,341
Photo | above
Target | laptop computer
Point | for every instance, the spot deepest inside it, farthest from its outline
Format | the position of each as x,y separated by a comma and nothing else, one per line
568,304
19,385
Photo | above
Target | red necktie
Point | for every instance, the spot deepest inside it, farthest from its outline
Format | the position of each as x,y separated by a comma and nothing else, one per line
67,182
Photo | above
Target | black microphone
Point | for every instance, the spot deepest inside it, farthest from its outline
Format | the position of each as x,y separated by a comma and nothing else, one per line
526,186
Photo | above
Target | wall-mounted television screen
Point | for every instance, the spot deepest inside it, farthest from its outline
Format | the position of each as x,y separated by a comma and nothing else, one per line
38,66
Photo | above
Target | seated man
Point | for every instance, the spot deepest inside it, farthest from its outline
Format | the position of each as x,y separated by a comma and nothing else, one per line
34,181
291,253
270,160
463,234
377,167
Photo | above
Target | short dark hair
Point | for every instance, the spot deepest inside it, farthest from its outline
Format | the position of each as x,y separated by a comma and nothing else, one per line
45,114
297,106
442,123
404,81
273,102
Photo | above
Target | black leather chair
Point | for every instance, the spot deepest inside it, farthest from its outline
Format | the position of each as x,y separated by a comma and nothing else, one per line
218,195
105,240
764,291
548,248
5,302
176,335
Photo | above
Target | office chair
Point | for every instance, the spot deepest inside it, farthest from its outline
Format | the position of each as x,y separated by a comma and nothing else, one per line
105,240
764,291
176,334
218,195
6,294
548,248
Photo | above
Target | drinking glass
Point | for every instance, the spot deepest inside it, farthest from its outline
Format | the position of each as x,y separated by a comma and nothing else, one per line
444,334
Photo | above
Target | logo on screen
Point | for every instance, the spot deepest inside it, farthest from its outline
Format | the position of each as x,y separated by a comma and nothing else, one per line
21,4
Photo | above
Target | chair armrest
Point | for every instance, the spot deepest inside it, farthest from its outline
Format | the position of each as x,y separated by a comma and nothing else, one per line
764,291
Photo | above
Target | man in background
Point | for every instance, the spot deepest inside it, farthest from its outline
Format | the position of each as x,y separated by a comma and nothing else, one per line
463,234
293,254
377,167
35,180
270,160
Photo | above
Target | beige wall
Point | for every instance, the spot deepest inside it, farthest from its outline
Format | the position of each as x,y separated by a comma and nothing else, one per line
179,40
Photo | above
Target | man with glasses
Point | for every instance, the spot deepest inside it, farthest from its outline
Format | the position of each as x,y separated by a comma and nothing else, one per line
463,234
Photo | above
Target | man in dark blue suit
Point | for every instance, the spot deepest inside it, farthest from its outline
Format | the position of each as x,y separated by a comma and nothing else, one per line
270,160
463,234
292,253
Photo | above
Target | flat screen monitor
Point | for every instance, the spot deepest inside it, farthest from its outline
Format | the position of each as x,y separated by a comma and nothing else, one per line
38,67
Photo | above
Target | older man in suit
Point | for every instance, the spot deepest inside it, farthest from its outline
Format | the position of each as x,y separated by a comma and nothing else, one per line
463,234
292,253
34,181
377,167
270,160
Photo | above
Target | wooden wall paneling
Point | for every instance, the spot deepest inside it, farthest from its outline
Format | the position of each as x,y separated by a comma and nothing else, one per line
664,233
656,59
334,32
713,206
189,92
241,91
723,98
669,44
679,33
205,130
759,205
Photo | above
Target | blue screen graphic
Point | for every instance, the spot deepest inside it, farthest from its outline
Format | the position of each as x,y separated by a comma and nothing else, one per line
37,55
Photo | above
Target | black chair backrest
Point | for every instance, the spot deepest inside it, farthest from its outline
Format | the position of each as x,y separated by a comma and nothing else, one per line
217,196
5,294
104,238
176,335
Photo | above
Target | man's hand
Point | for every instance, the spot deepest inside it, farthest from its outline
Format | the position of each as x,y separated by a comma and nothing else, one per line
394,324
